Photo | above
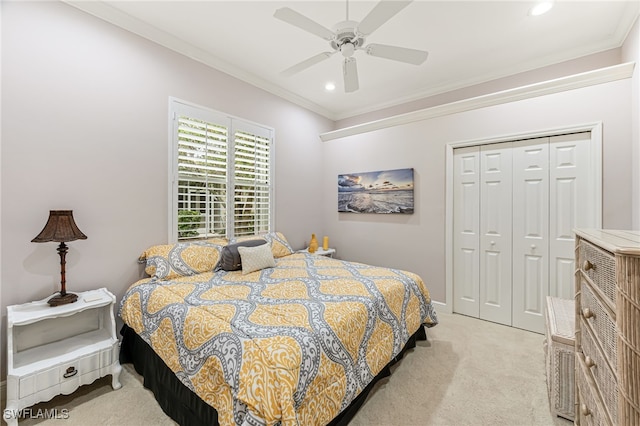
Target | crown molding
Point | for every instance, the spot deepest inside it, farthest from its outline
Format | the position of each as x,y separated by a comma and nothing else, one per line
114,16
576,81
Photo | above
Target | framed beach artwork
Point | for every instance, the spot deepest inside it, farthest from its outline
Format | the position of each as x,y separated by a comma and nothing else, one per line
387,191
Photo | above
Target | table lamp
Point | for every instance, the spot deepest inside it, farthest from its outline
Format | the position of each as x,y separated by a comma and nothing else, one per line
61,228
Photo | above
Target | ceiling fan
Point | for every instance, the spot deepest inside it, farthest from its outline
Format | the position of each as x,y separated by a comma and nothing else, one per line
348,36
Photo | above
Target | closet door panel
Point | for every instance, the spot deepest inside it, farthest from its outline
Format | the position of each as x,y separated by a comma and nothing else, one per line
466,230
495,233
533,281
571,206
515,207
530,232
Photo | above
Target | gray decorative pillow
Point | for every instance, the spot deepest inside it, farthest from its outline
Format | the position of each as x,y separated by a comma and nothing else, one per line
230,258
256,258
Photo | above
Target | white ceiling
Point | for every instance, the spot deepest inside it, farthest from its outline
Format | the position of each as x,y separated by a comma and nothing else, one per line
469,42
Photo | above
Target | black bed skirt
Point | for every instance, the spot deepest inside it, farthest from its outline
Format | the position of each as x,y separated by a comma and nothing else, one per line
186,408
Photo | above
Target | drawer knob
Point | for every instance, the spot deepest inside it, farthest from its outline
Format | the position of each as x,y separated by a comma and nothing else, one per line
586,312
71,371
587,265
589,362
585,410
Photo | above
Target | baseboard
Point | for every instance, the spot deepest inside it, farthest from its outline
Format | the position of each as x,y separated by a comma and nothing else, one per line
445,307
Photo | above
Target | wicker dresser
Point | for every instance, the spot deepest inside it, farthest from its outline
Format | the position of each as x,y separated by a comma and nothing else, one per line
607,327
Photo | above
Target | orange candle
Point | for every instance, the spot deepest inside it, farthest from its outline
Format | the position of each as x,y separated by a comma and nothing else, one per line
325,243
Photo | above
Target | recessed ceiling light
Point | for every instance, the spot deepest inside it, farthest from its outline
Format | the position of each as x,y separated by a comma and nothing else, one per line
541,8
330,86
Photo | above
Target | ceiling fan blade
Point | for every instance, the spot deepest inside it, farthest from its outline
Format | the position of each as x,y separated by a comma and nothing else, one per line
402,54
381,13
294,18
350,74
306,64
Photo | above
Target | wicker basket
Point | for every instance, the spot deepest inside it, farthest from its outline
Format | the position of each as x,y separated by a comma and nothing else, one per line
559,348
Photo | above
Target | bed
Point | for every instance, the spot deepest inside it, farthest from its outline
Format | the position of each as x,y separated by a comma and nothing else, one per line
250,332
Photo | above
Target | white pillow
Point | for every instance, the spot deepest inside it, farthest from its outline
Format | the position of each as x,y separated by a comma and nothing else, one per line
256,258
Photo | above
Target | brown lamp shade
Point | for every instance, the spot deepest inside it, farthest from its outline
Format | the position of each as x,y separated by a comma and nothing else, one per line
60,228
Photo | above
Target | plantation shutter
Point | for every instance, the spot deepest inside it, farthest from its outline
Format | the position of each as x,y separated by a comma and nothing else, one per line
220,180
252,179
202,179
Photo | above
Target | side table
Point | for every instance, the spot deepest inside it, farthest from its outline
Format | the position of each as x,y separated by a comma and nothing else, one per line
321,252
55,350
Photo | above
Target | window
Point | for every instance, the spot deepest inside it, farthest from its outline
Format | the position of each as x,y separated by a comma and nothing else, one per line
220,176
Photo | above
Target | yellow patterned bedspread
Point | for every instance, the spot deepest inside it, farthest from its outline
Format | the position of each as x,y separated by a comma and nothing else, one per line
290,345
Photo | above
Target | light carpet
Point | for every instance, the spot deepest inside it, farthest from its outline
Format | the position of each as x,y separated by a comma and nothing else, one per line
468,372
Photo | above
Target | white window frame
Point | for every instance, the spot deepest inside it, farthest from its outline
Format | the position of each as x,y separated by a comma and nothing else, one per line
178,107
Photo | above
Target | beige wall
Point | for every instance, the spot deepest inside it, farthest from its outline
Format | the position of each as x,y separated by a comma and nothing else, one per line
417,242
85,127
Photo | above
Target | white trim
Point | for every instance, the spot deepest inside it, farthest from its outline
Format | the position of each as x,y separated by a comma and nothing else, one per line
595,128
112,15
589,78
172,234
444,307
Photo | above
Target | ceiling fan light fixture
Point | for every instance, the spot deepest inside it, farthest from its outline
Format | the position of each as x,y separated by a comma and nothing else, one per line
347,49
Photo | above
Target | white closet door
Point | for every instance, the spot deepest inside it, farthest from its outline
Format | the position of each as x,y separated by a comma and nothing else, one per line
570,206
495,233
530,232
515,207
466,230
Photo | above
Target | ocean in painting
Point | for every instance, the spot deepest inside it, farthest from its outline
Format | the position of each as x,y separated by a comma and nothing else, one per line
389,191
398,201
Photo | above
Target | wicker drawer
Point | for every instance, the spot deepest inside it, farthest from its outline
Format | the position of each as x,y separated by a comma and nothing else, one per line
601,372
591,409
599,320
599,265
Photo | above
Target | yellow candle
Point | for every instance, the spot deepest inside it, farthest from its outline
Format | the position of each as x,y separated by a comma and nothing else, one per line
325,243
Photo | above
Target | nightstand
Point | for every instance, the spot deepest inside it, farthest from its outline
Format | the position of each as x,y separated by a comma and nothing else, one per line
55,350
321,252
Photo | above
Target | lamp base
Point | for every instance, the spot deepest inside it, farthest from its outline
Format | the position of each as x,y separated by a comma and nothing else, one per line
59,299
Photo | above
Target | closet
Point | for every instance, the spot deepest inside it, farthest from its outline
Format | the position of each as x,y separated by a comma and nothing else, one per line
515,205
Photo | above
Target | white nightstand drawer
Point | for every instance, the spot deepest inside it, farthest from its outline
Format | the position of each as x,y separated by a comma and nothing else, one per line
88,363
68,372
38,381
